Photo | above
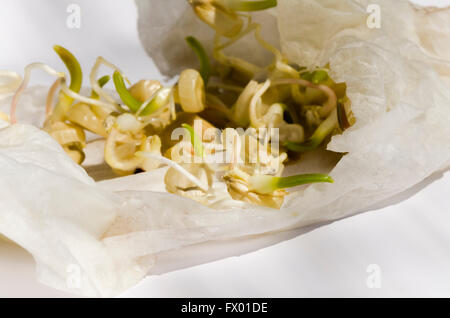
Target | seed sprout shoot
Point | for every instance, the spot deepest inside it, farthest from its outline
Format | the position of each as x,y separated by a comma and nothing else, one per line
205,66
236,123
265,184
25,82
128,99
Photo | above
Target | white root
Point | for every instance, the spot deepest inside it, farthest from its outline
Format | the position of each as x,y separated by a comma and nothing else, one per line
93,79
255,122
269,47
25,82
50,96
110,107
60,82
177,167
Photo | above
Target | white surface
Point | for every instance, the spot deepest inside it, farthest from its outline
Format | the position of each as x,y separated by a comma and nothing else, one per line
409,240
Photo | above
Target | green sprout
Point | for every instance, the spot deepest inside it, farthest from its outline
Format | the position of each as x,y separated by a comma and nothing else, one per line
195,140
205,65
72,64
133,104
246,6
161,98
315,77
76,79
320,76
265,184
101,82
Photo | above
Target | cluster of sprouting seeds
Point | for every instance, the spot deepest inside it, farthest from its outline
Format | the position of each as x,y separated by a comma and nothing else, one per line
305,105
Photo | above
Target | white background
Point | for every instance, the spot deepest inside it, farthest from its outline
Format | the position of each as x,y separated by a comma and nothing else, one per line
409,241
